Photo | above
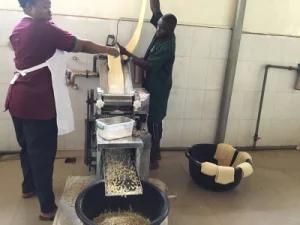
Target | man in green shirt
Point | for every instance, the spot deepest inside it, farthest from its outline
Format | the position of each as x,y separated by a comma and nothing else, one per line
158,64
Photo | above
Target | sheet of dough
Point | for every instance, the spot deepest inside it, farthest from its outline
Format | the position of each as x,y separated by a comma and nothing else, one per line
115,74
137,33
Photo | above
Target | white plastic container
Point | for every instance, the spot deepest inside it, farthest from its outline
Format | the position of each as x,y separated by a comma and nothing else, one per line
114,127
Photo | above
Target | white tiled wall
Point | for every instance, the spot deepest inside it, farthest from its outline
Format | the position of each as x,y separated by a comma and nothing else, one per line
280,117
7,135
198,79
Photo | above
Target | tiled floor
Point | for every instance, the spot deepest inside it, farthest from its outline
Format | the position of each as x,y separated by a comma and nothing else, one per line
269,197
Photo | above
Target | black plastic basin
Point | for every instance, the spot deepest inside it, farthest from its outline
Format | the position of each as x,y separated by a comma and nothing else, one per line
153,204
200,153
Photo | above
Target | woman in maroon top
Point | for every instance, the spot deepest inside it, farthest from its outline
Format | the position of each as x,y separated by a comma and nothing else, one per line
31,101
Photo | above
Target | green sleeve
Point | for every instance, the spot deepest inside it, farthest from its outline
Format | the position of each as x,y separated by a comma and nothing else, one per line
159,57
155,18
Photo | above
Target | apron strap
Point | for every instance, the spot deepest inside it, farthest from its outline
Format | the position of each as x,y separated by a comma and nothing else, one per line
34,68
26,71
16,76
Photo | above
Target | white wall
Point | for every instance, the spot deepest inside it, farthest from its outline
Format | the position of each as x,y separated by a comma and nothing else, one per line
198,79
273,17
7,137
209,12
281,110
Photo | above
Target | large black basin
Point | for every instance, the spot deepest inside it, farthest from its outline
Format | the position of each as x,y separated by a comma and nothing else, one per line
153,204
200,153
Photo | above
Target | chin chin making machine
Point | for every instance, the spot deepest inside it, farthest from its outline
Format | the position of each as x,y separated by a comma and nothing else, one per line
122,163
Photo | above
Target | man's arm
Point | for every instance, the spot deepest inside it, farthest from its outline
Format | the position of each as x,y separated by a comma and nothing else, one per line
141,62
92,48
157,14
138,61
155,61
155,6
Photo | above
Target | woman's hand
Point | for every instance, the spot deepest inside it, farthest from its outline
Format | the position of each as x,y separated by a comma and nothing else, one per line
113,52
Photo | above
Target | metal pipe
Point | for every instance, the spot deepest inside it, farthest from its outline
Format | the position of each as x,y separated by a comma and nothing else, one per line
88,105
282,67
297,84
92,98
95,58
231,70
256,135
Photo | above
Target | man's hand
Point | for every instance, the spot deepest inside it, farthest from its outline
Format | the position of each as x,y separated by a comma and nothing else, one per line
155,6
123,51
138,61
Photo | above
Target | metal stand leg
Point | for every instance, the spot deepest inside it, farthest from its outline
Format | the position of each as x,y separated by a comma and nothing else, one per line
99,164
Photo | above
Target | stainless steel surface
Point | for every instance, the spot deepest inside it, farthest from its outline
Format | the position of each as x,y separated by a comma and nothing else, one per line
140,145
111,100
128,142
133,103
114,120
120,175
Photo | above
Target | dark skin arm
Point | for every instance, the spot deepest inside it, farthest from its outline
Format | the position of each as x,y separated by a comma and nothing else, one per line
92,48
141,62
155,6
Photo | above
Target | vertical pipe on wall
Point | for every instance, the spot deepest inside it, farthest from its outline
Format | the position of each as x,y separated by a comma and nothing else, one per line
267,68
231,70
256,137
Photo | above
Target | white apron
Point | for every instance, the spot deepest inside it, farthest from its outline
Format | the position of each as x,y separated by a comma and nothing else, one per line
57,65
